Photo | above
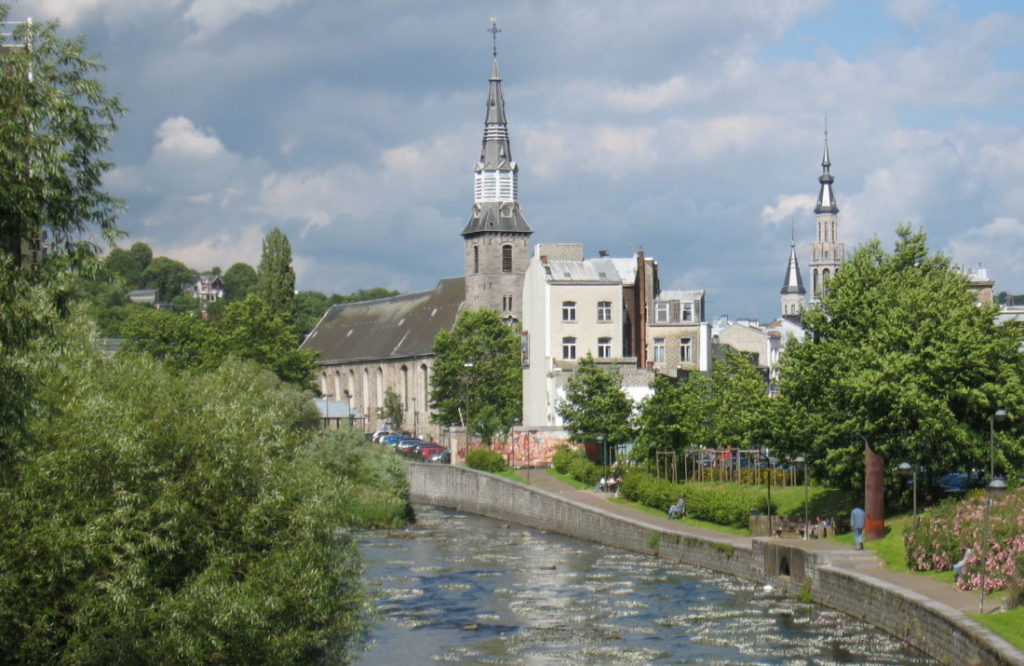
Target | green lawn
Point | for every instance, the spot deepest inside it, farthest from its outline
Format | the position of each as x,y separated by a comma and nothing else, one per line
1009,625
566,479
511,475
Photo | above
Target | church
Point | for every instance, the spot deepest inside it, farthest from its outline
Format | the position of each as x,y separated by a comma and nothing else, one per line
368,347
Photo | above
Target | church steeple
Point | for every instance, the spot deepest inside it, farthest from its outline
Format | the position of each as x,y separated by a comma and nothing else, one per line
827,253
793,287
497,236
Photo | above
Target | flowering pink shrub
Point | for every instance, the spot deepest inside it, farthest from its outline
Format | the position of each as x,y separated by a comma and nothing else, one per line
944,535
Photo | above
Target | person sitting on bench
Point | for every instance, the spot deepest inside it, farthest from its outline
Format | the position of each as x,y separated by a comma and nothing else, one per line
677,510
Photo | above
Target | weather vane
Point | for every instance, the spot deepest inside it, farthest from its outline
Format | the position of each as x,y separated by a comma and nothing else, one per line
494,30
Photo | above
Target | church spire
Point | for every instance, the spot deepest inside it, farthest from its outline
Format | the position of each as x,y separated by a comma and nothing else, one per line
495,178
793,286
827,252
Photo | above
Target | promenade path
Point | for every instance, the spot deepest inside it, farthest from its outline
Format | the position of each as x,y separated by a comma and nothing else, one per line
839,555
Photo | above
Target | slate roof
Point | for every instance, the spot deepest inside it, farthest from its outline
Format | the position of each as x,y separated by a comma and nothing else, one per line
496,216
388,328
601,269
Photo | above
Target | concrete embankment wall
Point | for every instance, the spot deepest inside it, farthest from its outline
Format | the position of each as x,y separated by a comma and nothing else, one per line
941,632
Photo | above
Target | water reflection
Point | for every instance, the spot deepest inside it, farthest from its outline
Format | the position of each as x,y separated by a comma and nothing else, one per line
463,589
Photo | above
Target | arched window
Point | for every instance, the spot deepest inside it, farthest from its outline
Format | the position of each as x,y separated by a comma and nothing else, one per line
506,258
405,389
323,383
425,385
337,384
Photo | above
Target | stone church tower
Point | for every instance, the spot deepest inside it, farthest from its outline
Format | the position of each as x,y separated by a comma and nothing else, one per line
497,236
827,252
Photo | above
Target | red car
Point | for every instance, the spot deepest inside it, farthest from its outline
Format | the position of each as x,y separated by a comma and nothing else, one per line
429,450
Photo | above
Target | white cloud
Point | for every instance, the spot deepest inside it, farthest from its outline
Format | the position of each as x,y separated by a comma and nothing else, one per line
211,16
179,136
786,206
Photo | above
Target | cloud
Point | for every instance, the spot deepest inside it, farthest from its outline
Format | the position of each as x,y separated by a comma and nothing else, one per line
179,137
786,206
211,16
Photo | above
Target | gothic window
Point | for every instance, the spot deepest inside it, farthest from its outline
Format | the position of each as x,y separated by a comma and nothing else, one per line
569,349
506,258
604,311
685,350
569,311
659,350
604,347
476,258
661,313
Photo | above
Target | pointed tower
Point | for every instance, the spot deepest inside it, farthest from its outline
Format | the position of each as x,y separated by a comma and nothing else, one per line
496,235
793,291
827,252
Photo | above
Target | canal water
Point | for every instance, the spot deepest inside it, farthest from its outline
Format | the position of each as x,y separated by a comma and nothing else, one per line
457,588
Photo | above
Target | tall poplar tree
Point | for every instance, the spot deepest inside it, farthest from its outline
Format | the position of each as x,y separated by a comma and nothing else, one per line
276,278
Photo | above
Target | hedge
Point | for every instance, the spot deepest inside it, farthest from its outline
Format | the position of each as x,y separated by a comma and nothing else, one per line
716,504
486,460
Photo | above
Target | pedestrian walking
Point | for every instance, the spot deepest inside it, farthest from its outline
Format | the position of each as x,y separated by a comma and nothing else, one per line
857,523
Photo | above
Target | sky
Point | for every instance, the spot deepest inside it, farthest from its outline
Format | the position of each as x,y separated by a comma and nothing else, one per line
693,130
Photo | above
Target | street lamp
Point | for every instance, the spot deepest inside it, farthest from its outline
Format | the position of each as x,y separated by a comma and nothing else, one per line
906,469
602,444
769,460
803,463
995,488
999,415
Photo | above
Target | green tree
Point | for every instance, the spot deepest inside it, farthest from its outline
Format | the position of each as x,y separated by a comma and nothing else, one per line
143,255
674,417
276,279
55,124
239,281
157,517
595,405
179,341
391,411
310,306
477,378
900,355
739,396
168,276
122,264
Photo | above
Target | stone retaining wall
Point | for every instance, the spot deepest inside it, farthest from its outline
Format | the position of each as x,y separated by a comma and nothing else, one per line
942,632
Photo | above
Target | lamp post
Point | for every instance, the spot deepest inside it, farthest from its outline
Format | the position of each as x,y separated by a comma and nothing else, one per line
468,365
906,469
995,487
602,444
769,460
415,417
803,464
999,415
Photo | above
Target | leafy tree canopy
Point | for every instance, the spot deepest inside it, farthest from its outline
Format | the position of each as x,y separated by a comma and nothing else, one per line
168,277
276,278
595,405
391,411
901,356
239,281
478,377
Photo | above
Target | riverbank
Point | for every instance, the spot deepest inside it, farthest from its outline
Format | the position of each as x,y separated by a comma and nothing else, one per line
923,613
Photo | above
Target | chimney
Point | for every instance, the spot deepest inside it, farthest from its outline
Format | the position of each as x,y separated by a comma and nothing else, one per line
602,253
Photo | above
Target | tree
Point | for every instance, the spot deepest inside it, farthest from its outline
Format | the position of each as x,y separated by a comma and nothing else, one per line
391,411
477,377
901,357
55,124
739,397
276,279
168,277
122,264
143,255
310,307
675,417
239,281
595,405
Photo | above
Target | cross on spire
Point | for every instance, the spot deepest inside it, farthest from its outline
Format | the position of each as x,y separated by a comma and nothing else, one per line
494,30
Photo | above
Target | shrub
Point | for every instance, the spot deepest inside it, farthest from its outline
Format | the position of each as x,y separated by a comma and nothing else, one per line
716,504
485,460
949,529
573,462
563,457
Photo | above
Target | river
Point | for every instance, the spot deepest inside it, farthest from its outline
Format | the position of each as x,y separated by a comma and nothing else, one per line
457,588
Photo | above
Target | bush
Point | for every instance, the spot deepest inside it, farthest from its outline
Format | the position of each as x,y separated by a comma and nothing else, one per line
721,505
943,536
563,457
573,462
486,460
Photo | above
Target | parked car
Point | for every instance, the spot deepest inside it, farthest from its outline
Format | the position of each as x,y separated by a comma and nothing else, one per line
444,457
393,440
428,450
407,444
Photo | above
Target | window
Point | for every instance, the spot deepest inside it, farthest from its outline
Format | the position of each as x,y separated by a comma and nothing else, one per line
569,349
659,350
569,311
661,313
604,311
604,347
506,304
685,350
687,311
506,258
476,258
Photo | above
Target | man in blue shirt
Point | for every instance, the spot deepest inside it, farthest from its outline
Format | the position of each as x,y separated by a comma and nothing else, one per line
857,523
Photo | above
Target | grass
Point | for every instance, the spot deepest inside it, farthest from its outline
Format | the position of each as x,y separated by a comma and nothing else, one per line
1008,624
682,521
511,475
566,479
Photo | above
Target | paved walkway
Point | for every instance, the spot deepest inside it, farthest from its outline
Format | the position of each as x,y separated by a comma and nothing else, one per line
864,562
